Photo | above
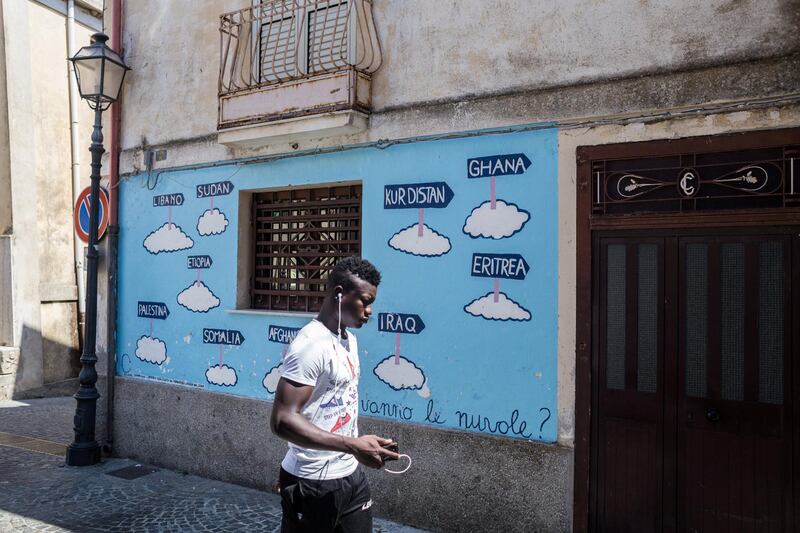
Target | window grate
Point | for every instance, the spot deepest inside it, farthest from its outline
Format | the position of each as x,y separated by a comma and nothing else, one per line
327,36
299,236
279,41
697,182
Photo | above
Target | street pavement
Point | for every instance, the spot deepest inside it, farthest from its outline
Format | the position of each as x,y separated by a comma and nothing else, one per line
39,493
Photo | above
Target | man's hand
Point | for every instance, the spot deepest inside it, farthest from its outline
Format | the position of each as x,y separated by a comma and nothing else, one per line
289,424
369,450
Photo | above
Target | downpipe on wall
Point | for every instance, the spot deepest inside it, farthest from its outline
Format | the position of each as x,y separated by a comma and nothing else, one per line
80,280
113,237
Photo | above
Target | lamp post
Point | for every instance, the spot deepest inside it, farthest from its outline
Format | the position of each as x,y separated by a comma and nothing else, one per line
99,71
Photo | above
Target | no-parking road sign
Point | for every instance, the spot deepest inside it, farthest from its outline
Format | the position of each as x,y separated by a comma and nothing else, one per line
81,214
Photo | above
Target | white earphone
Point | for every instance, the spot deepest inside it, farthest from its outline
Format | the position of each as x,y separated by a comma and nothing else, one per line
339,326
403,471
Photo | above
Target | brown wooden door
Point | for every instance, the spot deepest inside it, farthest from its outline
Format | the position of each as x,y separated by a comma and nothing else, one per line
692,428
734,438
629,431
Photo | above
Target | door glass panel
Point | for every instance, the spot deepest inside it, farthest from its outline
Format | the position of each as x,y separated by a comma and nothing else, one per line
615,318
732,321
647,319
696,318
770,322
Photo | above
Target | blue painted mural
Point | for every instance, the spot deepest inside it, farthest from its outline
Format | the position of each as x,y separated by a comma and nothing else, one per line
464,231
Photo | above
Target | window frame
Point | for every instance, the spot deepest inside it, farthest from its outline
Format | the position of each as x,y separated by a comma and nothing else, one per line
249,246
303,35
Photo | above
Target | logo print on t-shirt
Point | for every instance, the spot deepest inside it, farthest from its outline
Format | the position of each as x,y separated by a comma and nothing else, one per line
335,402
340,423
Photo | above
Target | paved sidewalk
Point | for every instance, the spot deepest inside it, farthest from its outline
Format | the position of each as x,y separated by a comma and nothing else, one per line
39,493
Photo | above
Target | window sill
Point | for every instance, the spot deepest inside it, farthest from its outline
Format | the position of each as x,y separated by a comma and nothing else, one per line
293,129
260,312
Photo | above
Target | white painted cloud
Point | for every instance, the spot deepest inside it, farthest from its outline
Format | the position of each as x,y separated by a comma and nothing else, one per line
429,244
212,222
151,350
221,375
502,221
198,297
401,375
503,309
167,238
425,391
271,378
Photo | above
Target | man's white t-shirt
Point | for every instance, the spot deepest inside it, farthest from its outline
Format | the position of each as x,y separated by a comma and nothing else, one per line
316,357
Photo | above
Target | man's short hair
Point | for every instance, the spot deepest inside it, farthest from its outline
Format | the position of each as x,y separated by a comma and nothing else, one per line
342,274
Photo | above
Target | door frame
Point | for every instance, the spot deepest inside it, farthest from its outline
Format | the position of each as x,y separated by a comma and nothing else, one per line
587,224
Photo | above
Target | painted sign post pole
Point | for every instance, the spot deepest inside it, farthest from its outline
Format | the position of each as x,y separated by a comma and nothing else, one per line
220,374
168,200
152,311
496,165
499,266
210,190
397,348
199,263
419,196
398,323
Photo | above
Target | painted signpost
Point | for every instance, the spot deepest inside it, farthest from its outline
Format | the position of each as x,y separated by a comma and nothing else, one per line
497,305
213,221
149,348
82,210
169,237
151,310
418,239
199,262
197,297
168,200
496,219
281,335
222,374
397,371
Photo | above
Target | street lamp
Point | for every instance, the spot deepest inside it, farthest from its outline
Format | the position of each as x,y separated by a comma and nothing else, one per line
99,71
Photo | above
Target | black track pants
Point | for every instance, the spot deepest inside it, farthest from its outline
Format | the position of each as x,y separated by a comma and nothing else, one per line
333,505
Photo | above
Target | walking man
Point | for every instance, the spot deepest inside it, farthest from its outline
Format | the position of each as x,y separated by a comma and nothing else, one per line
323,488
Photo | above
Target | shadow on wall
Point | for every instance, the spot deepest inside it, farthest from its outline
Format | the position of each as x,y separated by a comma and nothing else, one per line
41,367
63,389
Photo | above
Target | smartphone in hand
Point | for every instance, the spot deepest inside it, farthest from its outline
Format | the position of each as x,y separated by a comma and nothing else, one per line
393,447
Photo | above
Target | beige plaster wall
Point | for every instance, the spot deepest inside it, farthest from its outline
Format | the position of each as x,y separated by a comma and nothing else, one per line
453,49
568,141
448,49
36,189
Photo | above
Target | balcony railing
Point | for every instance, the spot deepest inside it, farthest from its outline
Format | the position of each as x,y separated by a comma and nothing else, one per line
326,45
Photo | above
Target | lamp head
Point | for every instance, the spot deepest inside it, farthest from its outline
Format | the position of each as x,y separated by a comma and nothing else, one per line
99,71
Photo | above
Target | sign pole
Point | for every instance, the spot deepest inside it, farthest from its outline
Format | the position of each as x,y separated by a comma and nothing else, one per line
85,450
